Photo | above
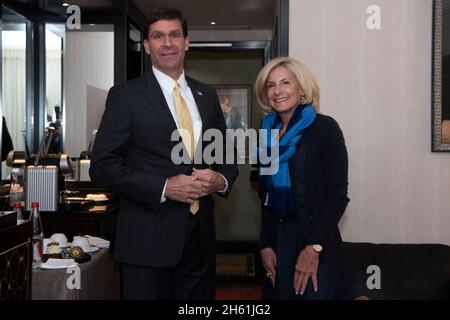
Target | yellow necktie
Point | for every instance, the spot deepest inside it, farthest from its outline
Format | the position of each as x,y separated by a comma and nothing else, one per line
187,132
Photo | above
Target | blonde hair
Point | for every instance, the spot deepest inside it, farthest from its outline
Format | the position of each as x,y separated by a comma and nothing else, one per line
301,74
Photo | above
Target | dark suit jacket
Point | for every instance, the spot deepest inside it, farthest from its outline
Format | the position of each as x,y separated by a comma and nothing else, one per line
318,171
7,144
132,157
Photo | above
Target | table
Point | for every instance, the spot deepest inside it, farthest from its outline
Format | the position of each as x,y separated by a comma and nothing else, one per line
99,280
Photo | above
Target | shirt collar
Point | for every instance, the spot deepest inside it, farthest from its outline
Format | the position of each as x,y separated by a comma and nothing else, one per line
167,83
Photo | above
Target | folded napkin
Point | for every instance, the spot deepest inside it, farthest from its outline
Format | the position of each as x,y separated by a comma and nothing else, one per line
98,242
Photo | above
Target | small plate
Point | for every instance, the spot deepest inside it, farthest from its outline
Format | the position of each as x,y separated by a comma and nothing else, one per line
58,264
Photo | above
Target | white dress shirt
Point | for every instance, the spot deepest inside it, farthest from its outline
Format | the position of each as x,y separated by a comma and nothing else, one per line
167,85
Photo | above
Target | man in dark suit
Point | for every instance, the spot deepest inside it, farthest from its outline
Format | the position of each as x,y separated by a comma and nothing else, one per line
165,246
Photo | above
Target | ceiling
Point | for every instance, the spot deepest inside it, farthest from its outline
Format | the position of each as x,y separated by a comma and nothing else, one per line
228,14
52,4
245,14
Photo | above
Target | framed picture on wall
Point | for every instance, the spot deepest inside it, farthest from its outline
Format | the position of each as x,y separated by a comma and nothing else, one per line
441,77
235,101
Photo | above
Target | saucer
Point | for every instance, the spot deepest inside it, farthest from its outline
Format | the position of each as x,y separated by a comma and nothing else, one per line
58,264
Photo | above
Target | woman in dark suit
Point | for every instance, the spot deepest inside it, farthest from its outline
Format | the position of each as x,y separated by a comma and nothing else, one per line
302,203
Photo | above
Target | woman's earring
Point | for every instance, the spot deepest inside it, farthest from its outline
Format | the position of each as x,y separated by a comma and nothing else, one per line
302,100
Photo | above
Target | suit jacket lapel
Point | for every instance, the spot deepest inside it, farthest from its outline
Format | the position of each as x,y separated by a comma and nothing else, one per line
155,96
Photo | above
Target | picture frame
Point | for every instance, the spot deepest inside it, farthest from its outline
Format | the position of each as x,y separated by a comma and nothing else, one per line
235,101
441,78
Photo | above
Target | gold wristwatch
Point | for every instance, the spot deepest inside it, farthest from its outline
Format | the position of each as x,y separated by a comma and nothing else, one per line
317,248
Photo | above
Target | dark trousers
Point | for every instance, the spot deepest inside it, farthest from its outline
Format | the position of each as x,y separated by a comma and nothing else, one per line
192,278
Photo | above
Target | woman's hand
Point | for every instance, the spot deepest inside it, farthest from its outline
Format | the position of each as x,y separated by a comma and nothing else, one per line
305,268
269,261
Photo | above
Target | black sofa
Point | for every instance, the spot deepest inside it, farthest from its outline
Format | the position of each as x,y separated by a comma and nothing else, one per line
408,271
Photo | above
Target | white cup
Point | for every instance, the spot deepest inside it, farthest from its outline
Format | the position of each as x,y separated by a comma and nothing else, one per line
60,238
81,242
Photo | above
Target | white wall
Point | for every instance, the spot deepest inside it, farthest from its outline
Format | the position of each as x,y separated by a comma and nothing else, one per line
377,85
88,62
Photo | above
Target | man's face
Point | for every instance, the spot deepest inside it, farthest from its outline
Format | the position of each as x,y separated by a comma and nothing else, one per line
166,46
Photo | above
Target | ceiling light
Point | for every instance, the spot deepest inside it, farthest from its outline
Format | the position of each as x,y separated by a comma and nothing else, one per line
65,4
213,23
216,27
201,45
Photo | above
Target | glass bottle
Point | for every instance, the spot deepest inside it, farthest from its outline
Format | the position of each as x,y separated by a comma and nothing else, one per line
18,209
38,235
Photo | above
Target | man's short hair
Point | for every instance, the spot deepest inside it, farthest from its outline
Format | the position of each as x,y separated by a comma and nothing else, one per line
167,14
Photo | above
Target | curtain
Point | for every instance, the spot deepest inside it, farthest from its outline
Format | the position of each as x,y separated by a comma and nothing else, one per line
53,83
14,96
14,92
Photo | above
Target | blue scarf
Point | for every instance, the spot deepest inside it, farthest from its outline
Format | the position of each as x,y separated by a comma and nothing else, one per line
276,189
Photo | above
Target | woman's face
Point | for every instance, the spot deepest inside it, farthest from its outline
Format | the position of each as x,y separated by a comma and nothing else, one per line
283,91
